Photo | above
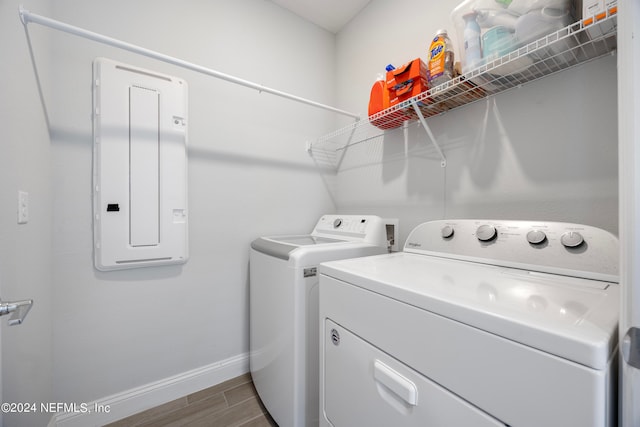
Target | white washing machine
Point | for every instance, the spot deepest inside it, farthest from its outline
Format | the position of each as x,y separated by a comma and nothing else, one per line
476,323
283,300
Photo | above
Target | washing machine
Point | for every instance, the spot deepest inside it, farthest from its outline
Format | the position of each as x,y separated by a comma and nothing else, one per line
283,301
476,323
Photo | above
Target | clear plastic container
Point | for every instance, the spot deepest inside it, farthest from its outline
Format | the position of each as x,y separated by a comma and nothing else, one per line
505,25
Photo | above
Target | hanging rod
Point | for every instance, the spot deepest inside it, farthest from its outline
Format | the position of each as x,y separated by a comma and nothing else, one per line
27,17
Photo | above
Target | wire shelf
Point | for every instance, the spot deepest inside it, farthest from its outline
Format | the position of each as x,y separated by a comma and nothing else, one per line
570,46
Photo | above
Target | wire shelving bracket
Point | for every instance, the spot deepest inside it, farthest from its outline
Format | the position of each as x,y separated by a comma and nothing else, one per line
570,46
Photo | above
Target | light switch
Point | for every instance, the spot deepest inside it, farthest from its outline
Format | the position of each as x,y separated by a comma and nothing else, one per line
23,207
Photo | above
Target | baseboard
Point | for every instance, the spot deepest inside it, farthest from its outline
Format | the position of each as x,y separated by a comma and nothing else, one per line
139,399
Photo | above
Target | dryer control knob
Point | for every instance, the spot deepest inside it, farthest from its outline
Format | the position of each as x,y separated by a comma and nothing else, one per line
447,231
536,237
337,222
486,232
572,239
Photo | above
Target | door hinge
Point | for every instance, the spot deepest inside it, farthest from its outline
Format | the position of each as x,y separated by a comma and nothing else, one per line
631,347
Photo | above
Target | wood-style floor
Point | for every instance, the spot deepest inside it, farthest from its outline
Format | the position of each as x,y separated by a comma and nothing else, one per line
231,403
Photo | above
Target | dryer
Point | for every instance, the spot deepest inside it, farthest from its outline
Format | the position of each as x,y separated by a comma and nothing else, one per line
283,309
475,323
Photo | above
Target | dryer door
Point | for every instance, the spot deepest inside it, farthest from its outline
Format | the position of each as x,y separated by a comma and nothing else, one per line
365,386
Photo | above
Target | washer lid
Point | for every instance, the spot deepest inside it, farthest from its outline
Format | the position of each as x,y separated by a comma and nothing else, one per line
282,246
573,318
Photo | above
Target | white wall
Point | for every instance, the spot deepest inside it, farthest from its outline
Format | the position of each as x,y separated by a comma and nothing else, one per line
546,151
249,175
25,250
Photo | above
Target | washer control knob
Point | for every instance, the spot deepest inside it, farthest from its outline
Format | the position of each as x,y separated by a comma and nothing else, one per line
486,232
572,239
447,231
337,222
536,237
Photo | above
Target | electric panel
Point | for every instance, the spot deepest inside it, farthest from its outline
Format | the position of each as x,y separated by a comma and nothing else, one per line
140,167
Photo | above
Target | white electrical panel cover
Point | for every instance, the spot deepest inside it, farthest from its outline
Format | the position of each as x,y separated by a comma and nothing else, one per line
139,167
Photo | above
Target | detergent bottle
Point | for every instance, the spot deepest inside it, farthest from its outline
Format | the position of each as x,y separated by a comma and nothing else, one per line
440,59
472,46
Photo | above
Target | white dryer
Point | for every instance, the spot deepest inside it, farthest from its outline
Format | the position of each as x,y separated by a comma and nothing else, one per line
283,301
476,323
